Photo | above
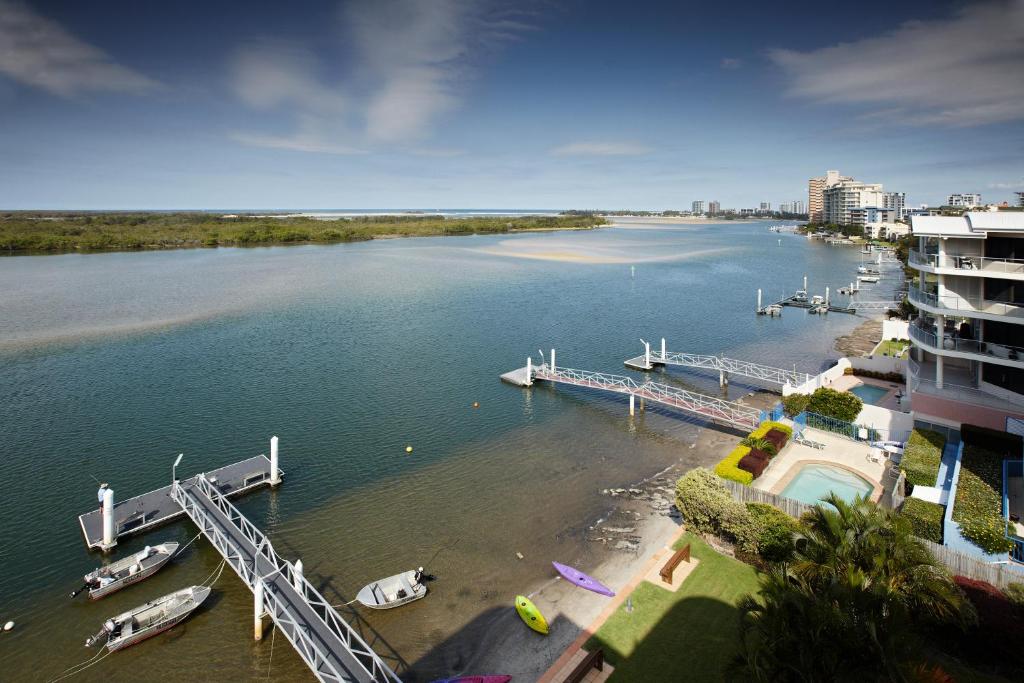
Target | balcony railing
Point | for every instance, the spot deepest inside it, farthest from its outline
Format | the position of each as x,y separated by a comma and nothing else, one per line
926,336
964,305
969,263
957,392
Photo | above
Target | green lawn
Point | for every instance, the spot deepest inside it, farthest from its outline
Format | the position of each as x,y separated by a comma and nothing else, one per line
689,635
893,347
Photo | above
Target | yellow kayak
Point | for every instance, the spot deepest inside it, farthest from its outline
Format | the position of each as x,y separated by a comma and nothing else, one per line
529,613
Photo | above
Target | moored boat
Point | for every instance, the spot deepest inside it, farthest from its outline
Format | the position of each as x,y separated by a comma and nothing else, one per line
393,591
575,576
150,619
103,581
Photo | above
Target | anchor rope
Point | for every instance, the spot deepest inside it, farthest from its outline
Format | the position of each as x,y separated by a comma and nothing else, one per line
178,551
273,635
220,568
82,666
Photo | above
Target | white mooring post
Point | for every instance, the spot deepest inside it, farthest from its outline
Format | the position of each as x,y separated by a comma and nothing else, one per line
647,354
529,371
275,473
722,379
805,283
759,301
663,348
632,405
552,360
109,537
826,296
257,623
297,578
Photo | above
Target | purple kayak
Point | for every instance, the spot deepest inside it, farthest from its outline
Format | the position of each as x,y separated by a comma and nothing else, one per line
476,679
582,580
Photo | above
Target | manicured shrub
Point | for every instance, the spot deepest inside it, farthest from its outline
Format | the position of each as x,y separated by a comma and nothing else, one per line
1003,444
925,518
774,530
840,405
887,376
794,404
769,425
707,507
978,508
922,456
728,467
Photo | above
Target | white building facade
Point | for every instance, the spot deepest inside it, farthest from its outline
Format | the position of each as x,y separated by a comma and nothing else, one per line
968,200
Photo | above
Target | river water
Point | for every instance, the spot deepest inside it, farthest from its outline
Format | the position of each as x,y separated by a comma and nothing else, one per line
114,363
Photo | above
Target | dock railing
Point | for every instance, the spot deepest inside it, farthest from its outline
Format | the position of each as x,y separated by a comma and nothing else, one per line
300,639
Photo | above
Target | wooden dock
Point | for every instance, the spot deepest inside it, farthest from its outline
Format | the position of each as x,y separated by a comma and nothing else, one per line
134,515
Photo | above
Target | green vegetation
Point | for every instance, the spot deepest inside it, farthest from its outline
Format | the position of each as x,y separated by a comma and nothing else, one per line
686,635
768,426
925,518
729,466
979,500
775,532
1015,593
922,456
896,348
794,404
851,605
840,405
27,232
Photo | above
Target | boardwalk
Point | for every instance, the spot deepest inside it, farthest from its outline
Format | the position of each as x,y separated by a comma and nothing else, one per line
328,645
714,409
720,364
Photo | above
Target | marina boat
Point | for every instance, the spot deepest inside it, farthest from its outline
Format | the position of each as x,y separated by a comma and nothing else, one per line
817,299
801,295
575,576
393,591
868,278
773,310
103,581
148,620
820,309
530,615
864,270
475,679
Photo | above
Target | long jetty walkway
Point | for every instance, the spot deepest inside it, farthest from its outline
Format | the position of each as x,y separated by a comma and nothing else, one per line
325,641
724,366
714,409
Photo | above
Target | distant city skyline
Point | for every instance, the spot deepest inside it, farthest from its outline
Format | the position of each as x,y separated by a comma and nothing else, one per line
468,103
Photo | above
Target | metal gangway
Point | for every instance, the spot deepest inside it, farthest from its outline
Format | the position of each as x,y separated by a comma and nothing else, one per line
714,409
724,366
327,643
873,305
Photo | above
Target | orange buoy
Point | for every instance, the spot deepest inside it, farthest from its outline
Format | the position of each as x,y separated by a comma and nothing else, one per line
408,449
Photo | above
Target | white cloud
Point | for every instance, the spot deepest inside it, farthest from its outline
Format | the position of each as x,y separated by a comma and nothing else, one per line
961,71
1011,185
38,52
410,64
601,149
731,63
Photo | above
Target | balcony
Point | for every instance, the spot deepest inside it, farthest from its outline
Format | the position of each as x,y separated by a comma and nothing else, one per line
962,264
971,349
956,387
953,304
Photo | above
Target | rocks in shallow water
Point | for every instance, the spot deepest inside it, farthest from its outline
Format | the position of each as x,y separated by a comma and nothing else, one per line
630,545
620,529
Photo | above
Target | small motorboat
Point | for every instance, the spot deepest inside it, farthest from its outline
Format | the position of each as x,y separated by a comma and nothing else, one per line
394,591
103,581
868,278
148,620
475,679
575,576
801,295
530,615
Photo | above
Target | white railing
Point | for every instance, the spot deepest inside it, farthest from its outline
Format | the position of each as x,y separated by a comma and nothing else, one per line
297,633
732,366
961,345
969,263
959,392
959,304
688,401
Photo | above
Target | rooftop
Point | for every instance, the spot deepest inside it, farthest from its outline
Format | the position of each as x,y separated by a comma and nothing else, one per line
973,224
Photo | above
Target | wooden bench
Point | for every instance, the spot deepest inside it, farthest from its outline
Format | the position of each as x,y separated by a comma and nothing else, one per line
673,562
594,660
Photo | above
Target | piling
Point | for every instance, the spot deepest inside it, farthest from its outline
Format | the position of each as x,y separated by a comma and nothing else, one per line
275,473
805,283
552,360
759,307
826,296
663,348
297,578
529,371
647,354
632,405
109,537
257,623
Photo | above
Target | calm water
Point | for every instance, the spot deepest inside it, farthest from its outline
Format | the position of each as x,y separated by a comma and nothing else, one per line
114,363
814,482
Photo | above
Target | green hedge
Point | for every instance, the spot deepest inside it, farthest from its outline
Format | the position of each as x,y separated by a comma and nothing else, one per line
728,467
841,405
979,500
775,532
925,518
769,425
922,456
794,404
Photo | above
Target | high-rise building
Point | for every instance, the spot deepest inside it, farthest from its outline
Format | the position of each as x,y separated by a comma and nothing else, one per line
968,362
798,206
766,206
816,194
848,194
714,208
785,208
897,201
968,200
698,207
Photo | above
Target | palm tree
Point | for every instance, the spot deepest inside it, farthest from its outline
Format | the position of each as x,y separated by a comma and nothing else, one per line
851,602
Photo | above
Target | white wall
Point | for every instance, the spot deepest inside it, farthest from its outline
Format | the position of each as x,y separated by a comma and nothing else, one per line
823,380
880,364
880,418
895,329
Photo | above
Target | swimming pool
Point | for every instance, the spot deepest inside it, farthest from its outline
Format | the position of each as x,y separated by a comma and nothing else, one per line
869,393
813,482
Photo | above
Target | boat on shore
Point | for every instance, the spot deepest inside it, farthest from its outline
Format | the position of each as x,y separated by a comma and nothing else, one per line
103,581
575,576
150,619
393,591
530,615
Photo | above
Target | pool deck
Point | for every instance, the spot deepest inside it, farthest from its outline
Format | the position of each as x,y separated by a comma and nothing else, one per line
838,451
888,401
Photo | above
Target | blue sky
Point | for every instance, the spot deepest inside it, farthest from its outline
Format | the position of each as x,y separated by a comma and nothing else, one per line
468,103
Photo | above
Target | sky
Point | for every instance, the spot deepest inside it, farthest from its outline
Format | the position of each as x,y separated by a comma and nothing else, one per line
549,104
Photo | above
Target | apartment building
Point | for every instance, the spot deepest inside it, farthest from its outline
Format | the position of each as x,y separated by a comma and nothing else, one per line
697,208
714,208
968,200
1020,199
816,194
897,201
846,195
968,337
